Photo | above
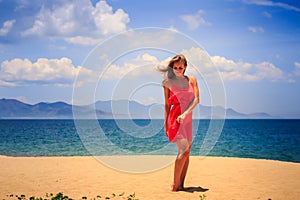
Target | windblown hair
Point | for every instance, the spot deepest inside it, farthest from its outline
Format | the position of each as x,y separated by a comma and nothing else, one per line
169,69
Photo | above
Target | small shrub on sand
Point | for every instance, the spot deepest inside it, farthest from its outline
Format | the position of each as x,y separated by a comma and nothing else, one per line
61,196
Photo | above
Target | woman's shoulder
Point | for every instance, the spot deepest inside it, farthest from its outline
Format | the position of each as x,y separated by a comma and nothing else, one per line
192,79
167,83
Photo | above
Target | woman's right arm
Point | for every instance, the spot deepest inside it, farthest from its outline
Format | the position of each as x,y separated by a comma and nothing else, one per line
167,106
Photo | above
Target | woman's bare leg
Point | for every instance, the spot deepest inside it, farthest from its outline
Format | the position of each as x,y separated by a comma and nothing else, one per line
185,167
183,153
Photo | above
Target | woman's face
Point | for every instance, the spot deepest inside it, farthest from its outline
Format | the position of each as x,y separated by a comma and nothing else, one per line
178,68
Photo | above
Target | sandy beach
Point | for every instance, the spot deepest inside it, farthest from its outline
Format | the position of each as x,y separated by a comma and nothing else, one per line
214,177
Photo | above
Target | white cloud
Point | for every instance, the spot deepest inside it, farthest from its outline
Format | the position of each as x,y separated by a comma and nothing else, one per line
256,29
249,72
62,72
272,4
148,100
22,4
83,40
211,67
20,72
108,22
267,70
297,69
194,20
142,65
198,59
7,25
200,62
267,15
78,21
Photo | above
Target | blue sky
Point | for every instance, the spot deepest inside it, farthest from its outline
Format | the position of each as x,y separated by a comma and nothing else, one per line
254,45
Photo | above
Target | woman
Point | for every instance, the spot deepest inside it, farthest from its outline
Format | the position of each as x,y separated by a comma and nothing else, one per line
181,97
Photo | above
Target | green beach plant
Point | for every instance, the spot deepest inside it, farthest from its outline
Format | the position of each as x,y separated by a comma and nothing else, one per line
61,196
131,197
202,196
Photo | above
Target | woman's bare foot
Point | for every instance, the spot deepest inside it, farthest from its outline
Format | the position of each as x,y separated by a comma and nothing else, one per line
173,188
180,189
176,189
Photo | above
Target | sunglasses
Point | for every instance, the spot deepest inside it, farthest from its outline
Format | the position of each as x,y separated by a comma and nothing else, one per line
176,68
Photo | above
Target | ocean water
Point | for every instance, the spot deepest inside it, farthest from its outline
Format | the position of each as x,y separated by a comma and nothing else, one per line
275,139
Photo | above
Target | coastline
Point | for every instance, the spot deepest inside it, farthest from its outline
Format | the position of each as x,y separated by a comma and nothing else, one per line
79,176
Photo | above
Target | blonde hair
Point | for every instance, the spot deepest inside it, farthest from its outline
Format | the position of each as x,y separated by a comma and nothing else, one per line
169,69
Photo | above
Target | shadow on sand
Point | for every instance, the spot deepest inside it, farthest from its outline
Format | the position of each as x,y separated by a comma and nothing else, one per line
194,189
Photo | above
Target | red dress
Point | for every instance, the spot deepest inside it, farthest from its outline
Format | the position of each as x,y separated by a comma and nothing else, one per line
179,100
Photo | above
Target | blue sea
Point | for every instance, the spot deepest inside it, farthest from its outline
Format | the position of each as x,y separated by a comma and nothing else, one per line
275,139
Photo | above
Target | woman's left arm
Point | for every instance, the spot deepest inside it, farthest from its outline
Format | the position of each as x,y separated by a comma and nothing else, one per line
194,103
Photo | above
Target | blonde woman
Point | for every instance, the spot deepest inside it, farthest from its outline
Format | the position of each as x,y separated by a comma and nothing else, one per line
181,94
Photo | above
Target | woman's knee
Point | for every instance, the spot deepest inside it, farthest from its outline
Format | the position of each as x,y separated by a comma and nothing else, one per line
183,152
184,148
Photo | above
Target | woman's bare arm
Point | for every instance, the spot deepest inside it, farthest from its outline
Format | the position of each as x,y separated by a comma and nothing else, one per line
194,103
167,105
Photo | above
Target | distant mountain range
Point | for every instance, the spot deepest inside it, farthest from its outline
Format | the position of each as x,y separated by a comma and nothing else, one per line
121,109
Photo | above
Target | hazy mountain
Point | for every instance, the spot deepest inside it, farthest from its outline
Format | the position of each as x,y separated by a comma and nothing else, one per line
11,108
125,109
